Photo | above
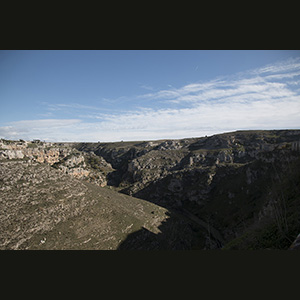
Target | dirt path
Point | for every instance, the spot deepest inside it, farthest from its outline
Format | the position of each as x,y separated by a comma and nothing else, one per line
214,232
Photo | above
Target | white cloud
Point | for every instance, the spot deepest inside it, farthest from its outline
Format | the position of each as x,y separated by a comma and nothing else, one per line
270,82
45,123
280,67
40,129
146,87
266,98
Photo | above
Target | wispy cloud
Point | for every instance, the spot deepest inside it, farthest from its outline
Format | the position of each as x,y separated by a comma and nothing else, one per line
264,98
280,67
264,83
45,129
62,106
146,87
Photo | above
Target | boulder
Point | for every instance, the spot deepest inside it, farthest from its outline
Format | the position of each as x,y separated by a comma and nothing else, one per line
12,154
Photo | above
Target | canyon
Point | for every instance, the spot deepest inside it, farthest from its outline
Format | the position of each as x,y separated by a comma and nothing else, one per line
237,190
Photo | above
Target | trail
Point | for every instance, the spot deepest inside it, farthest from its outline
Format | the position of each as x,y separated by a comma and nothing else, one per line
213,231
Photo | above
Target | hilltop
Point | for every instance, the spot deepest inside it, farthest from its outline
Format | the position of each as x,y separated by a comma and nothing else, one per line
238,190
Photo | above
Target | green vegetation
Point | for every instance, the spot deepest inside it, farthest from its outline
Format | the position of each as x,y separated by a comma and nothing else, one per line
32,145
7,141
94,162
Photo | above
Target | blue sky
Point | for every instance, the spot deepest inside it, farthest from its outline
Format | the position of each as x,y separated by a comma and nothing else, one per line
110,95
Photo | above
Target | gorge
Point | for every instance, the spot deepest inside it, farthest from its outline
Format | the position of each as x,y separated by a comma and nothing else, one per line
237,190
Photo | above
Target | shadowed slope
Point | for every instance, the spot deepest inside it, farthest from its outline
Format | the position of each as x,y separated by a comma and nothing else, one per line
42,208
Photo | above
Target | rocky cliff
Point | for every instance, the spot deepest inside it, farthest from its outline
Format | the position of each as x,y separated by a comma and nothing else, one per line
236,183
238,190
61,156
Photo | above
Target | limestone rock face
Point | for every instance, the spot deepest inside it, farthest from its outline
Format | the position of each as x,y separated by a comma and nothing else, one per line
235,182
40,154
227,178
61,156
133,166
43,156
169,145
225,156
11,154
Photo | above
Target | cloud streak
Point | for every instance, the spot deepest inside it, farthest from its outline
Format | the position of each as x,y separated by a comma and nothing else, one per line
264,98
45,129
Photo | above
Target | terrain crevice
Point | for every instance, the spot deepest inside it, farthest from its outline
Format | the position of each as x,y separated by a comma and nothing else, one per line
237,190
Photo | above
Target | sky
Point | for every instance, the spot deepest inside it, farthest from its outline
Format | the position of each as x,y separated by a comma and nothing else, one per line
137,95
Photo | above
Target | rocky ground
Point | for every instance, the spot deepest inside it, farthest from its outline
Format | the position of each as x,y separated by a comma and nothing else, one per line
62,156
238,190
239,183
43,208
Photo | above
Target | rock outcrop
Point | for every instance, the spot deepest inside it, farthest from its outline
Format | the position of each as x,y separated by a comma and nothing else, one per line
225,179
243,186
61,156
41,152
